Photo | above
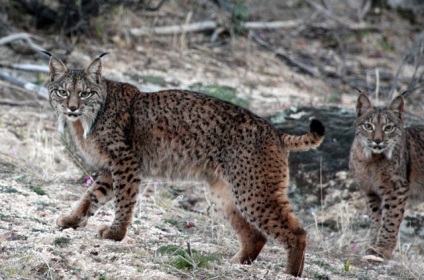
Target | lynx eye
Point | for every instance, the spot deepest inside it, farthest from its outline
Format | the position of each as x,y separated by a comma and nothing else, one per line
85,94
367,126
389,128
61,93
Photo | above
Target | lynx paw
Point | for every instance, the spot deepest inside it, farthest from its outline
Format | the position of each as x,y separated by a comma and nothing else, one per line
70,221
379,252
372,258
241,258
107,232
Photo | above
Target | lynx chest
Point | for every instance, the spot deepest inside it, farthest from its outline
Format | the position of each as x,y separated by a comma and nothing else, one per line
91,147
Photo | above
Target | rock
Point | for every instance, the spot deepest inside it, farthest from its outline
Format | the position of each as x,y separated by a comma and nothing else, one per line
332,156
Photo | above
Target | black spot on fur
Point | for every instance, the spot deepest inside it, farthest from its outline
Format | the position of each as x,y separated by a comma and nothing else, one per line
104,192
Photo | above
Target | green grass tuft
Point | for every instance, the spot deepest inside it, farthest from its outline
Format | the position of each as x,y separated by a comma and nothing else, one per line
38,190
184,259
10,190
225,93
62,241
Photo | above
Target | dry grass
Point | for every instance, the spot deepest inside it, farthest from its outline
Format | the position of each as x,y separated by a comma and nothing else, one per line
37,183
163,233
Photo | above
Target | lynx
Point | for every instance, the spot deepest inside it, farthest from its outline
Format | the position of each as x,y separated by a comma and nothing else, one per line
387,161
129,135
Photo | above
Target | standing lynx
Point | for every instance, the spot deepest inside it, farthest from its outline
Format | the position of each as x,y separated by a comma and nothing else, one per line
176,134
387,161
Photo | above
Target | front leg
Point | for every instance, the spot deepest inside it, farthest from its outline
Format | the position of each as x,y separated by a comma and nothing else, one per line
126,181
394,203
98,194
374,212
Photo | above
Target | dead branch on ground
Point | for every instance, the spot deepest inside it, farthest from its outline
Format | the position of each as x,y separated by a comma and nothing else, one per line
26,37
15,103
39,90
211,25
26,67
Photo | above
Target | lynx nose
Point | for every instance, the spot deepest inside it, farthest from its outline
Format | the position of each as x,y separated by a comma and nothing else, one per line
378,144
73,108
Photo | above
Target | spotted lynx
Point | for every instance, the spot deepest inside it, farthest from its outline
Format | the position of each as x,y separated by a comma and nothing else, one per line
129,135
387,161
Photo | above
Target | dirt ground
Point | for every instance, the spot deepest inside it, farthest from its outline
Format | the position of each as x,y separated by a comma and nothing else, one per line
174,235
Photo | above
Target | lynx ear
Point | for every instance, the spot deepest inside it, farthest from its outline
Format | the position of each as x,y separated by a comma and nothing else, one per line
397,106
94,70
363,104
57,68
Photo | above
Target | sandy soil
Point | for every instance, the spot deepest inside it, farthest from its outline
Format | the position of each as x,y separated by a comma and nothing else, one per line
38,183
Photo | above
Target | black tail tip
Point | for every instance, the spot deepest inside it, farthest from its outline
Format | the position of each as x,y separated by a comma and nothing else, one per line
317,127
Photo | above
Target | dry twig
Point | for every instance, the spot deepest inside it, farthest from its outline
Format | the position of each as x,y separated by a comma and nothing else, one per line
285,55
417,52
342,21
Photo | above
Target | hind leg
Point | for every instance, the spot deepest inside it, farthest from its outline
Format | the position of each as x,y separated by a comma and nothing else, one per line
272,214
286,229
250,238
262,200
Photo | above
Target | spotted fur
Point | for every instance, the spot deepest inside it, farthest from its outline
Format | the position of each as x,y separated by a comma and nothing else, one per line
129,135
387,162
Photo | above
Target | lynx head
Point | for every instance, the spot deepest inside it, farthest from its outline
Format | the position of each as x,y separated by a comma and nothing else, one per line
379,129
76,94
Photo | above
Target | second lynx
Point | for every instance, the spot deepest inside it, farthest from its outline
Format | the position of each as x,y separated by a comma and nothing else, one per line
387,161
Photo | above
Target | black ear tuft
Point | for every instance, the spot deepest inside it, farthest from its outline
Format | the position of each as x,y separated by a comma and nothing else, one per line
46,52
357,89
317,127
103,54
406,92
